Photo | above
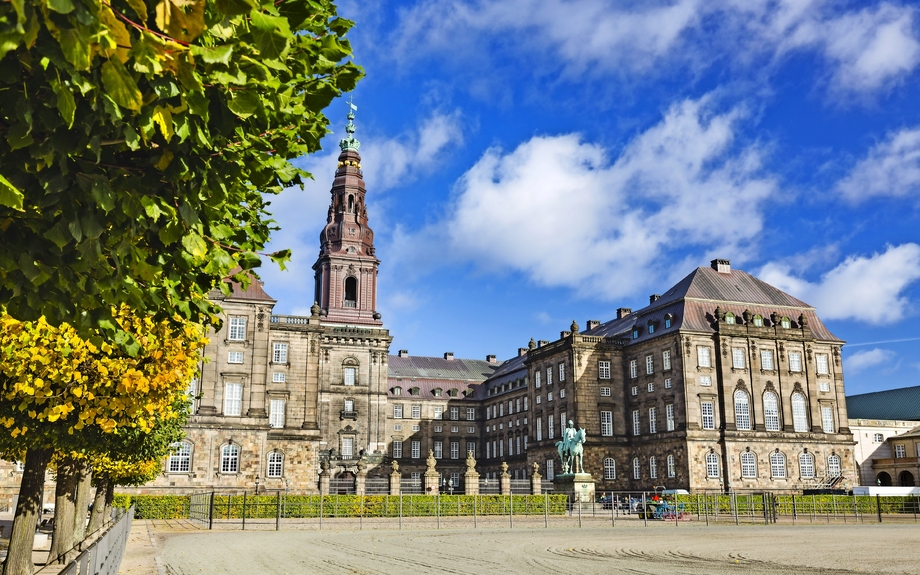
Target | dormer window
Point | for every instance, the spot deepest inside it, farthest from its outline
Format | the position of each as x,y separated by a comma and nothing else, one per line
651,327
635,333
668,318
730,318
397,391
453,393
758,320
437,392
785,323
413,391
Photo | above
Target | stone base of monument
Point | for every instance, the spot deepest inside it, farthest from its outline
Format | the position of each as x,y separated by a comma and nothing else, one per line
578,486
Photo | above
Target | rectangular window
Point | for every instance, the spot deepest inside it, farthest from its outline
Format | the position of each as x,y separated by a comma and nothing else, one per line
454,413
561,394
517,405
550,428
766,360
607,423
650,387
397,411
237,329
276,413
672,468
280,353
539,430
278,377
275,463
549,376
455,450
637,429
501,409
471,429
637,472
501,448
550,474
605,392
397,427
525,403
471,414
471,447
652,420
438,412
633,369
703,357
748,465
235,357
488,450
233,399
827,419
652,468
537,399
562,421
454,429
416,427
561,372
179,460
536,379
878,438
899,451
517,443
738,357
438,428
634,390
824,386
795,361
649,365
709,418
350,373
666,360
667,383
397,449
821,363
438,449
416,412
349,406
669,416
348,447
705,381
603,370
549,396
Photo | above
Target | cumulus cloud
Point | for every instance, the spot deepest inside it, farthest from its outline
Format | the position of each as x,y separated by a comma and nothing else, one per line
891,168
559,210
865,359
869,289
865,49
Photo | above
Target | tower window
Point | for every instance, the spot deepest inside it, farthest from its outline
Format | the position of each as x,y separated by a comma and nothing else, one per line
351,204
351,292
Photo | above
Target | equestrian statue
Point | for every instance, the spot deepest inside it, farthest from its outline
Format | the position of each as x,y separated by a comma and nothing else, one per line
571,449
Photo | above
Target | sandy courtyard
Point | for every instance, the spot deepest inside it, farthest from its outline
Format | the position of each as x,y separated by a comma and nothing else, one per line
657,549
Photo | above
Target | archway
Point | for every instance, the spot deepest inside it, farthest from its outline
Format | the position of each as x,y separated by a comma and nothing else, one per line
883,479
906,479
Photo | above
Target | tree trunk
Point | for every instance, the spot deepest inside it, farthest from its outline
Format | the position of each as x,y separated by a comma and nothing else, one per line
109,497
85,479
98,516
65,495
28,510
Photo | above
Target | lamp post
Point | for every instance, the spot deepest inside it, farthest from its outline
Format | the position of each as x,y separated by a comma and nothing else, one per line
257,484
450,486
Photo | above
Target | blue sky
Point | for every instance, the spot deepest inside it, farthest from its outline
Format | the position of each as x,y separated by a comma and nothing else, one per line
531,162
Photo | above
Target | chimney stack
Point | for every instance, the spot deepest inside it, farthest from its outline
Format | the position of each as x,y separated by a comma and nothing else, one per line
542,342
623,312
404,353
491,359
654,297
593,323
448,355
721,266
522,351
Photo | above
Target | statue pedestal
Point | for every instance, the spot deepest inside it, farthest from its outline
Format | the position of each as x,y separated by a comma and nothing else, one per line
578,486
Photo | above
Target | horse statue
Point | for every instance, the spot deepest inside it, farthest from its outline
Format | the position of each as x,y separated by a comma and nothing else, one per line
571,449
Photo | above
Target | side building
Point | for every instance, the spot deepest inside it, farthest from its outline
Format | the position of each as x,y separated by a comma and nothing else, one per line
886,427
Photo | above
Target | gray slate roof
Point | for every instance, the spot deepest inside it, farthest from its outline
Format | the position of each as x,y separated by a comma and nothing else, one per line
473,370
902,404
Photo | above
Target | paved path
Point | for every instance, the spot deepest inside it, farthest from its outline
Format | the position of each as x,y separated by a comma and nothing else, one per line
657,549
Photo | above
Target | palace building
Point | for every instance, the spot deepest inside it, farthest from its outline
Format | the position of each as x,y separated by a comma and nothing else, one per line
723,382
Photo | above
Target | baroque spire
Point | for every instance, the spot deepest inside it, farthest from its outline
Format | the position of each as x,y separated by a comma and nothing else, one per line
350,142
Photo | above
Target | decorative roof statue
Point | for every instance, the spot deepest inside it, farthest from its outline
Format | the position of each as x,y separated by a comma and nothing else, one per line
395,466
504,469
470,462
574,327
350,142
532,344
431,462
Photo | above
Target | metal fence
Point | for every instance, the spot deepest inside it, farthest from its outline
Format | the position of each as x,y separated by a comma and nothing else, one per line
103,556
490,486
377,486
521,486
411,486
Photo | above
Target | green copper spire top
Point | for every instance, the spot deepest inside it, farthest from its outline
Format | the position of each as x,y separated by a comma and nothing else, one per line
350,142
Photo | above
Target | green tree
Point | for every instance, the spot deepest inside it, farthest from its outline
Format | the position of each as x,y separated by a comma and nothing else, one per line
138,143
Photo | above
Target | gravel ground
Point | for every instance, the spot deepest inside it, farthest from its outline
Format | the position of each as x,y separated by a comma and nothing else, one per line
657,549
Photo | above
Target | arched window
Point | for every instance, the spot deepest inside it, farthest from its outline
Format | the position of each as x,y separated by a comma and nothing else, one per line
180,460
770,411
742,411
652,468
610,468
730,318
651,326
437,392
275,464
833,466
799,413
397,390
230,458
452,392
785,323
712,465
351,292
777,465
637,471
672,468
748,464
668,319
807,465
758,320
351,204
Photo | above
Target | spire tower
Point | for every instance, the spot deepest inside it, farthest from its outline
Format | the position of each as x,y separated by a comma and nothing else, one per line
346,270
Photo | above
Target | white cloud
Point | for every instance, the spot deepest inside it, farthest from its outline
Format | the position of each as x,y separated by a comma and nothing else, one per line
558,210
891,168
865,359
869,289
866,49
386,161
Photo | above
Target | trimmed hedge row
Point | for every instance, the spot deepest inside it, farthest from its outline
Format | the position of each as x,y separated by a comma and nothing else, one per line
804,504
309,506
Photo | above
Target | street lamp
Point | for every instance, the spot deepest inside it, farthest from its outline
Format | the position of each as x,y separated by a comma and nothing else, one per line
257,484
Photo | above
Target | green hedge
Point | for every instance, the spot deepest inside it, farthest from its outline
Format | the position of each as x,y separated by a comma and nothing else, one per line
803,504
154,506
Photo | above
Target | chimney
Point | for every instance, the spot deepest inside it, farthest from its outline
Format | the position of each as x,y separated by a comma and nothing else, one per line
654,297
542,342
522,351
721,266
448,355
404,353
623,312
491,359
593,323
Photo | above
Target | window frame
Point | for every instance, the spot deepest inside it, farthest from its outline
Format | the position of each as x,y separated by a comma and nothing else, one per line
806,466
771,414
180,461
748,465
230,458
636,423
767,362
703,356
742,410
274,468
606,423
712,465
652,420
236,330
603,369
778,468
666,360
649,364
739,358
280,352
610,468
396,448
276,418
799,405
233,402
708,415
